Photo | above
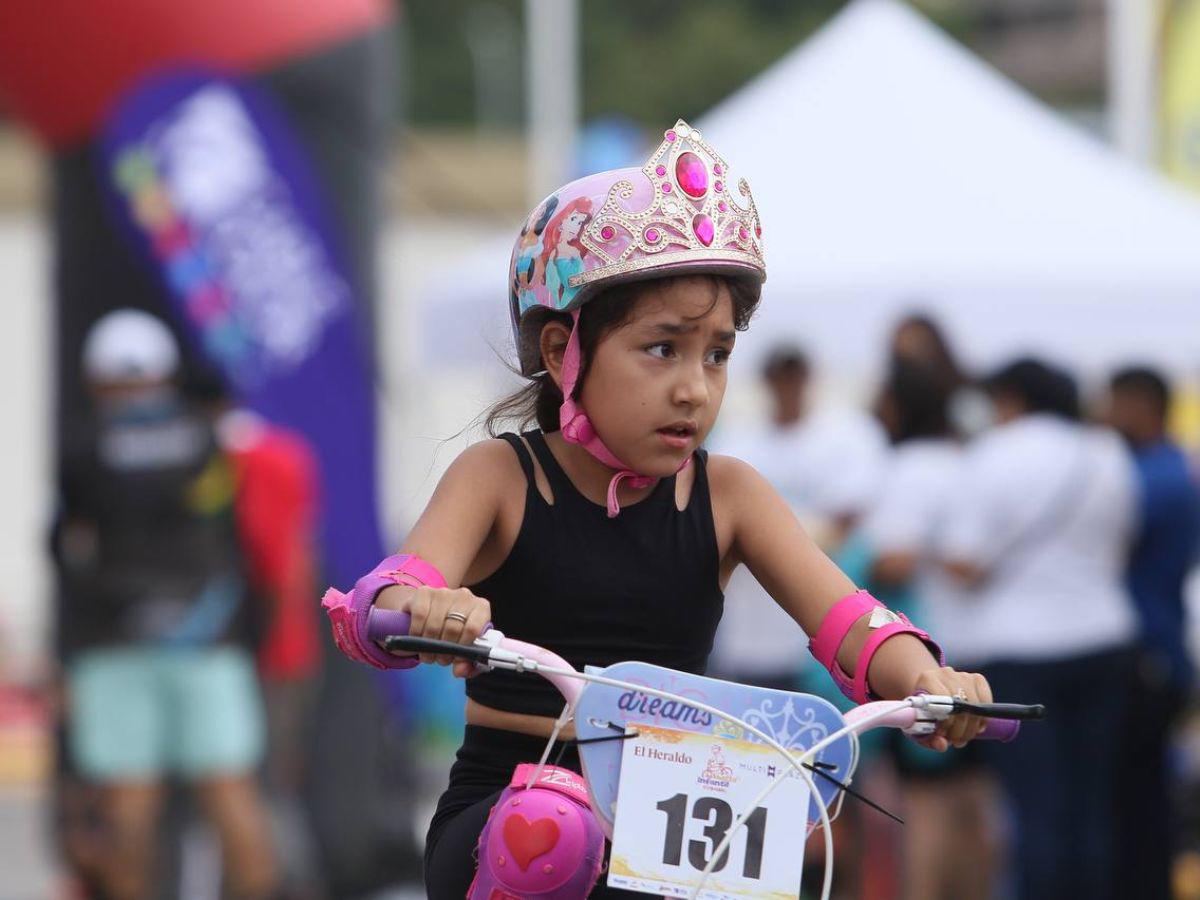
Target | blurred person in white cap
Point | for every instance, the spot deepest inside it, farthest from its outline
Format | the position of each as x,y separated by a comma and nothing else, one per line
154,618
131,350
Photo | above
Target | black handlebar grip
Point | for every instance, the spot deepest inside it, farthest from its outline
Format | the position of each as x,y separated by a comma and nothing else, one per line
403,643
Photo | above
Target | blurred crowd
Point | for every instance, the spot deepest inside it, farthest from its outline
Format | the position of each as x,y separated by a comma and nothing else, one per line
1044,539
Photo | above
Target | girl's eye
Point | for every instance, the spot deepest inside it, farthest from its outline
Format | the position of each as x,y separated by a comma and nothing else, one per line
662,351
718,356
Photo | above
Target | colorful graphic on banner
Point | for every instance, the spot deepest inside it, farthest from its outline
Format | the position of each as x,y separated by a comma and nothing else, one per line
212,184
1180,80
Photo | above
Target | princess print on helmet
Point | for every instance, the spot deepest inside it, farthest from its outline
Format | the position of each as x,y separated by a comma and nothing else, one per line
529,267
564,251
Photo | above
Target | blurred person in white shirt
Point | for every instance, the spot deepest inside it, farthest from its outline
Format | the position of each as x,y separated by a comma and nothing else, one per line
826,463
1038,534
948,843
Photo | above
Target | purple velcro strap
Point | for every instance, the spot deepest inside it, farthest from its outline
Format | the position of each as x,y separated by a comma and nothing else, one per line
351,614
386,623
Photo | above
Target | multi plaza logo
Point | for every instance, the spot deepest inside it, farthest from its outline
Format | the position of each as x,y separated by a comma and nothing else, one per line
771,770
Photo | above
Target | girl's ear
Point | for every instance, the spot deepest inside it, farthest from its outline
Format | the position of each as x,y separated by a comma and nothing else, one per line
553,344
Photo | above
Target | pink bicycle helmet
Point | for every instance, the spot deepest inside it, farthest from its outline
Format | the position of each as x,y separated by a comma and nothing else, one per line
675,215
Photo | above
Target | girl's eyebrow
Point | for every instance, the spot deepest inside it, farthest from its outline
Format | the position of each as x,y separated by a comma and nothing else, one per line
674,329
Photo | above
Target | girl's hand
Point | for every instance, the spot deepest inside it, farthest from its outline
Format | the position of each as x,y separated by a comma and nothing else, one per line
443,614
956,730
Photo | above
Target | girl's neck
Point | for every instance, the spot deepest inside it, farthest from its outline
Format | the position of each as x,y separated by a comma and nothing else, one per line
589,475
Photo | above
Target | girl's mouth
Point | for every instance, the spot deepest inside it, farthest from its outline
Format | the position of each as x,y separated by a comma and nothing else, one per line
678,436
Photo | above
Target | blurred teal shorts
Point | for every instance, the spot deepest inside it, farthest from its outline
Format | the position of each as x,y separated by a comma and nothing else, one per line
139,713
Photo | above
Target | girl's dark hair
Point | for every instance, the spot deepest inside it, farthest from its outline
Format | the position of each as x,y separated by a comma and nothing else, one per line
915,403
538,401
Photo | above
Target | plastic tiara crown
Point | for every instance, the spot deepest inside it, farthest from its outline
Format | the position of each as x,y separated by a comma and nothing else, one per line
692,216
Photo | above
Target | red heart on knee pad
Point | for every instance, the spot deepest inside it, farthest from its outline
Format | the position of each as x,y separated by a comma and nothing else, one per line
528,840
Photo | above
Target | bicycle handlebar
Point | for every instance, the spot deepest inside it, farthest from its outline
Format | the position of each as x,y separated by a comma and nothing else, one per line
480,655
390,628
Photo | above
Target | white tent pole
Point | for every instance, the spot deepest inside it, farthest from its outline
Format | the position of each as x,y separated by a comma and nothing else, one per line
552,78
1132,81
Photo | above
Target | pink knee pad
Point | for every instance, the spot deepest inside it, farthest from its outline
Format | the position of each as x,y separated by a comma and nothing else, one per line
543,842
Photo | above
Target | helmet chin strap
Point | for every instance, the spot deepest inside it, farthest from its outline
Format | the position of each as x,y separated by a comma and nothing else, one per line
577,428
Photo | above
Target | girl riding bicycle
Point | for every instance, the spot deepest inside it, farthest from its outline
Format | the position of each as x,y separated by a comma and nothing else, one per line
607,533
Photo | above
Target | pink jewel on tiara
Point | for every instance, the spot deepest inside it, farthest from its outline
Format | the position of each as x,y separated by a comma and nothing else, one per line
719,186
691,174
757,230
676,214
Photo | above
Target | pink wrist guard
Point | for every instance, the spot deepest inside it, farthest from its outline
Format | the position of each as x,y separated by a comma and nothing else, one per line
349,614
884,624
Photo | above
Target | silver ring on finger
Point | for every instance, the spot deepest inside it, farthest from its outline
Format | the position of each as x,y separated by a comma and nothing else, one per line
457,617
960,694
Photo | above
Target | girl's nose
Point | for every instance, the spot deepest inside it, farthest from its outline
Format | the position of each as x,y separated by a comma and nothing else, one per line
692,387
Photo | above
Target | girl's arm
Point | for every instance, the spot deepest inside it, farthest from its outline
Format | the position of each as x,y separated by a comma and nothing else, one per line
766,536
461,516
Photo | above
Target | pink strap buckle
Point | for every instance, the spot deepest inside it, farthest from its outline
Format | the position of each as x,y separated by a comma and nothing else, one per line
566,782
837,624
577,428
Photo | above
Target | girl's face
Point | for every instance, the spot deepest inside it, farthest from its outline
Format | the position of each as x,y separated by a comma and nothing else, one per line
656,383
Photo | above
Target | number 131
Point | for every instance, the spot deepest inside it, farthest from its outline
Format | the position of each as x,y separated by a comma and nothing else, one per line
718,817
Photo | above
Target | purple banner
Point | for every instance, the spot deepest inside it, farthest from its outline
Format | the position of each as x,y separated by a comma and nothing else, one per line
207,176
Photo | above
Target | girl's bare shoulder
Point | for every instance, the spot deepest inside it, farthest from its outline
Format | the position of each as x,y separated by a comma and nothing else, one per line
728,474
481,481
737,488
488,463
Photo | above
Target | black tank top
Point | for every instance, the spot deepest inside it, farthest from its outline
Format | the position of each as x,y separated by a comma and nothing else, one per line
644,585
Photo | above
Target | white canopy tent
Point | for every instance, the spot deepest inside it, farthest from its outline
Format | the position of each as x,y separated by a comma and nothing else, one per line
893,170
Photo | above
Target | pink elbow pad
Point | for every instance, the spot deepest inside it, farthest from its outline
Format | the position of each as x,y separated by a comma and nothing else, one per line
884,624
349,613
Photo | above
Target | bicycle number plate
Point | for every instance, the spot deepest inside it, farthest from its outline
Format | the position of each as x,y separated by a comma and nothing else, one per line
680,793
